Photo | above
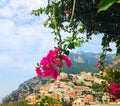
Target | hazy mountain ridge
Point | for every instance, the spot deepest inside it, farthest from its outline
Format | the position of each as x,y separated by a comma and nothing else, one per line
86,62
80,62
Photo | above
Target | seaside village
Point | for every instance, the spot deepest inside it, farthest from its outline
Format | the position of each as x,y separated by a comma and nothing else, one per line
73,88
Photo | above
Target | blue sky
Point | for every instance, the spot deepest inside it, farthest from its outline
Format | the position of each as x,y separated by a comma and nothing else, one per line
24,41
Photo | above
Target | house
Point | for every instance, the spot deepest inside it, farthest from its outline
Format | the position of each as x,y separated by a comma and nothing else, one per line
54,105
89,98
66,98
79,102
32,99
57,84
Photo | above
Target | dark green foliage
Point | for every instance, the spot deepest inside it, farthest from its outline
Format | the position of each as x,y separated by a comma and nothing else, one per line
88,17
67,103
99,87
79,84
112,75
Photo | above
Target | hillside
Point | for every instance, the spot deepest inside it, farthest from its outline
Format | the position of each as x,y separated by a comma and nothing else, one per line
80,62
25,89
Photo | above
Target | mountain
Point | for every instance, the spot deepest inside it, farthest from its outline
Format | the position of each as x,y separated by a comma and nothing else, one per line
81,61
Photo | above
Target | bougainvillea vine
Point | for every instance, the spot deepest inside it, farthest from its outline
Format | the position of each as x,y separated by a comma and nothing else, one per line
52,63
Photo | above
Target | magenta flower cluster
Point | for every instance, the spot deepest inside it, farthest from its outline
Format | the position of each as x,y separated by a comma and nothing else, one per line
114,90
98,64
50,64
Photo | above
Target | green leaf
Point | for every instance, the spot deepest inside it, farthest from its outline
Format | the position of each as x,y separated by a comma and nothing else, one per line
77,44
102,57
67,52
38,65
60,70
93,1
105,4
101,67
109,49
46,22
71,45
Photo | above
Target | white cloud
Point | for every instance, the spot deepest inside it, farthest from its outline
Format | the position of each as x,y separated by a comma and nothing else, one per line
3,3
4,59
28,4
23,38
6,12
6,27
23,41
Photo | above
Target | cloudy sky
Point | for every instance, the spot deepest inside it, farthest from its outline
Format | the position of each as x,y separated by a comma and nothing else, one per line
23,42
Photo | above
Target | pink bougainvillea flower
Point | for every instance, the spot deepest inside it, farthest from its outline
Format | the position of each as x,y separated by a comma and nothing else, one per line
55,74
38,71
114,85
58,63
47,72
114,90
118,90
98,63
50,64
67,60
46,64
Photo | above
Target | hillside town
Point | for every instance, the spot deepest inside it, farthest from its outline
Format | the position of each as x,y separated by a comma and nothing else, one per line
76,89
